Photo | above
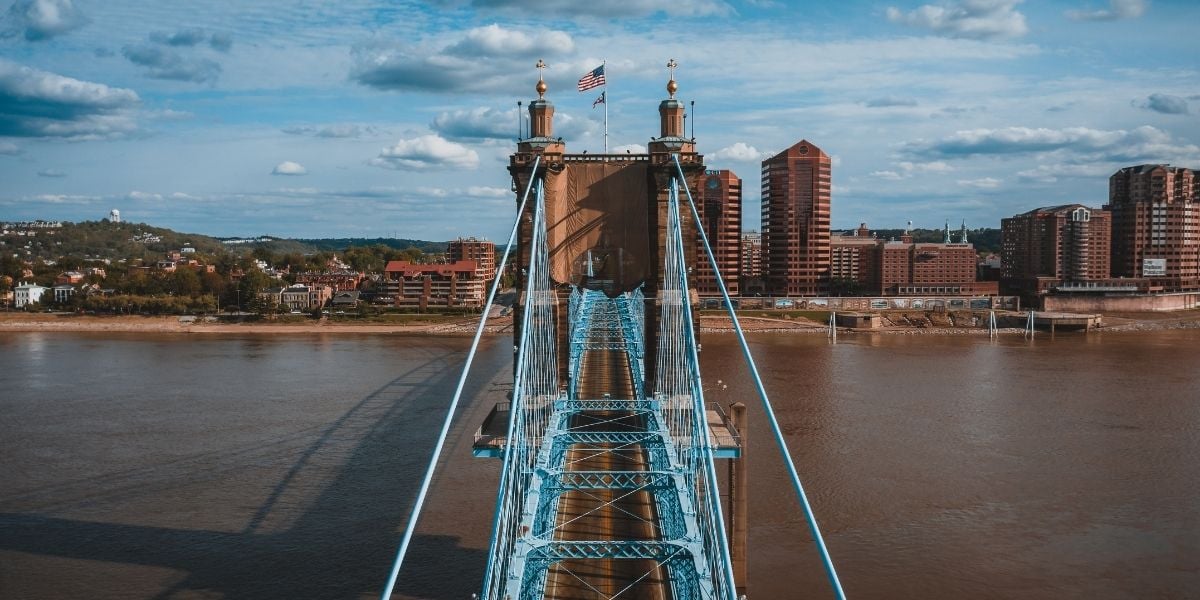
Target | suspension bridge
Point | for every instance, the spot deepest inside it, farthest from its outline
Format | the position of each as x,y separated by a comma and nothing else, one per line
608,485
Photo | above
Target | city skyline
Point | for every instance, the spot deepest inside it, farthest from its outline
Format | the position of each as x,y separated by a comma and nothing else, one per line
372,119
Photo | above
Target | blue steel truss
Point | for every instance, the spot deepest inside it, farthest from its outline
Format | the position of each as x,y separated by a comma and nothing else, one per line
666,432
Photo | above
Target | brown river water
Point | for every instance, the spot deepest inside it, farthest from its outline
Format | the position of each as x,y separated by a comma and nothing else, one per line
175,466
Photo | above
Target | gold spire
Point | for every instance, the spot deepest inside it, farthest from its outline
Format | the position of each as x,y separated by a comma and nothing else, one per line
541,84
671,85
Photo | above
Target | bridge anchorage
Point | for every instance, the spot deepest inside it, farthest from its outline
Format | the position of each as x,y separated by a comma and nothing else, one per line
608,486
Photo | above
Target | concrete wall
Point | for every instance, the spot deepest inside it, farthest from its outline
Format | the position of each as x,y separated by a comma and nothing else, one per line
1145,303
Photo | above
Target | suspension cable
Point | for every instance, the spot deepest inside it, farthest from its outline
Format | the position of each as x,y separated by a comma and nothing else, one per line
830,571
441,441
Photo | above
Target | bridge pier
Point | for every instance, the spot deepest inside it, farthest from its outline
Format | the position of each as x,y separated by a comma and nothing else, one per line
738,502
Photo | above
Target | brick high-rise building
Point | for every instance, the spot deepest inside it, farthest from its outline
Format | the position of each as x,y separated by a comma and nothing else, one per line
481,252
795,220
1055,244
1155,224
721,216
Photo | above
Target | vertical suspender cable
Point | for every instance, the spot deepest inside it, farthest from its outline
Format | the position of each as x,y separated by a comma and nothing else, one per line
830,572
700,428
441,441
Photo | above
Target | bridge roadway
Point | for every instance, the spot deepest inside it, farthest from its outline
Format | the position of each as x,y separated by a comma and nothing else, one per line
606,514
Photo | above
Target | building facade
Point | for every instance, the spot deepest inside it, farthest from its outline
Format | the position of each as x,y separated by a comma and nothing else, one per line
1156,224
28,293
854,263
1049,246
796,194
720,210
482,252
416,285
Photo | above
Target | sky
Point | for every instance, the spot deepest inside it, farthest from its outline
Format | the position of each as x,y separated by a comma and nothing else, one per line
359,118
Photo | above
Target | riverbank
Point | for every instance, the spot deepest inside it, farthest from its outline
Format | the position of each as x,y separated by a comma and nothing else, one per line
454,326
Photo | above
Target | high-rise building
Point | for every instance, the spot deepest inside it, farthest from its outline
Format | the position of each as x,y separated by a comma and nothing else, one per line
1053,245
752,259
481,252
721,217
795,221
1156,224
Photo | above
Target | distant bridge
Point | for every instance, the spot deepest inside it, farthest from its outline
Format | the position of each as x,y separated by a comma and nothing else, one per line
608,486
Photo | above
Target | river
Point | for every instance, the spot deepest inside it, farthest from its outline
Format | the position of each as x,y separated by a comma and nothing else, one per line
177,466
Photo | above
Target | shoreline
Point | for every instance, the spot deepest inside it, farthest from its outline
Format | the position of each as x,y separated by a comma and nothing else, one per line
70,323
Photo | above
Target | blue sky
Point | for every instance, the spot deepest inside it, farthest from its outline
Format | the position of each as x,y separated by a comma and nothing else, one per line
363,118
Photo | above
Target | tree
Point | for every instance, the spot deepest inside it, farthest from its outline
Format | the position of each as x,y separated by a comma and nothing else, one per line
253,282
183,282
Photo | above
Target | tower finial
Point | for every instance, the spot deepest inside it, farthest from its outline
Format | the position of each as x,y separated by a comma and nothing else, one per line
541,84
671,85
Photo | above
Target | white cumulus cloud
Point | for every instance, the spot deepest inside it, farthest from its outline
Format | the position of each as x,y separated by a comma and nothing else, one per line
976,19
36,103
739,152
288,167
426,152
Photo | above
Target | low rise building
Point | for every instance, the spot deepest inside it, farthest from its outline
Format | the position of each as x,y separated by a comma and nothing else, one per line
28,293
417,285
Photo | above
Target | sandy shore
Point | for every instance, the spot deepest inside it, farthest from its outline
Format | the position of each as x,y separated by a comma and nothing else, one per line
139,324
27,322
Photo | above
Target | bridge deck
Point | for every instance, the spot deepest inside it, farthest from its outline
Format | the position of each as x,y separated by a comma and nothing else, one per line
606,514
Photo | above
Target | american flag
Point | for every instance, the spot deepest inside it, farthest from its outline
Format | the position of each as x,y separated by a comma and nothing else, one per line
594,78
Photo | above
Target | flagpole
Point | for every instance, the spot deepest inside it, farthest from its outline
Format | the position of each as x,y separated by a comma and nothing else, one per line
603,64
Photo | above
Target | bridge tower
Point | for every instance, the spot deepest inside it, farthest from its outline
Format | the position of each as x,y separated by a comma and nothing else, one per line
606,211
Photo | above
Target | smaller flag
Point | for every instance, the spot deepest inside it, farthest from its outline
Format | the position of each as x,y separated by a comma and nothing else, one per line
594,78
599,100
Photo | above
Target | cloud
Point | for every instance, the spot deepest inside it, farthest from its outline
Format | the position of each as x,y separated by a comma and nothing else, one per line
337,130
494,39
343,131
477,123
9,149
194,36
627,9
975,19
985,183
221,42
739,152
42,19
143,196
483,60
427,152
164,63
1078,145
907,169
889,101
53,173
1166,104
36,103
1118,9
479,191
288,167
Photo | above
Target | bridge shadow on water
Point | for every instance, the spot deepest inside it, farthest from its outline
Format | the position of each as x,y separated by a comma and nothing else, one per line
337,545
